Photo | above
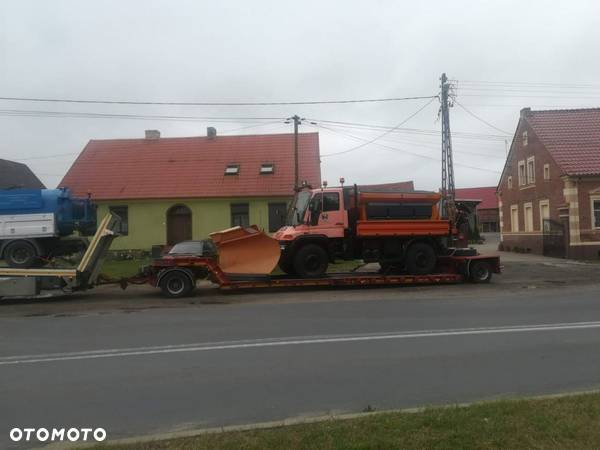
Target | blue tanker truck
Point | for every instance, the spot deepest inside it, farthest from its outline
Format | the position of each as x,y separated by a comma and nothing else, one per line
39,224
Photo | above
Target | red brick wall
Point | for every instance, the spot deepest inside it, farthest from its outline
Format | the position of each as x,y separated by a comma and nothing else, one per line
585,187
551,190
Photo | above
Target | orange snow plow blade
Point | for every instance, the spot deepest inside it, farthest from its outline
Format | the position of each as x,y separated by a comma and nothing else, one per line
246,250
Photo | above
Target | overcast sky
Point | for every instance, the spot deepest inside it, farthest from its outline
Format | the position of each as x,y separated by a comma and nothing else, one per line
524,53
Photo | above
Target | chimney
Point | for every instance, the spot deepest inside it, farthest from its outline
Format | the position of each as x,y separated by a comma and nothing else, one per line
152,134
211,132
525,112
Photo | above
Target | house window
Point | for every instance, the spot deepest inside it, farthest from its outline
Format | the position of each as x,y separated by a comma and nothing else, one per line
522,175
514,218
525,141
239,215
544,215
510,182
531,170
528,212
266,169
595,212
123,213
232,169
546,171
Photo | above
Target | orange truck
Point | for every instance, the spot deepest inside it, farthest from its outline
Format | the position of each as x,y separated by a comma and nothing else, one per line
398,229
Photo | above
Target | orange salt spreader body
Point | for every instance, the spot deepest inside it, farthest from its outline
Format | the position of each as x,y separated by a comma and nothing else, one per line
246,250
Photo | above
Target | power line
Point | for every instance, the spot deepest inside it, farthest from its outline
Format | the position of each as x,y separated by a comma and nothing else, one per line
480,119
173,103
386,132
93,115
420,131
396,149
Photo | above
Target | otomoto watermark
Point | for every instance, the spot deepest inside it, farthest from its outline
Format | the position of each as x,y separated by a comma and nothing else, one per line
57,434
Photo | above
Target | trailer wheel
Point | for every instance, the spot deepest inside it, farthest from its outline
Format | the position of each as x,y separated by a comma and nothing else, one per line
480,272
176,284
20,254
420,259
311,261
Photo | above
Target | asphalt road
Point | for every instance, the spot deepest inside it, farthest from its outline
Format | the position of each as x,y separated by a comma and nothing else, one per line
159,370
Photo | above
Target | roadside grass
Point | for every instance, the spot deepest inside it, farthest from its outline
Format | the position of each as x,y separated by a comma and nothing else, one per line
571,422
123,268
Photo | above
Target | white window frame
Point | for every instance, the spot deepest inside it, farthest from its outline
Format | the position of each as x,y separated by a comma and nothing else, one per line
525,139
522,174
543,203
546,171
531,176
514,224
526,206
594,198
510,183
232,169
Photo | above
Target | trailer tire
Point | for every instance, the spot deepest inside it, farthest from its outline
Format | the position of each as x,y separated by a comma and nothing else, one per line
21,255
480,272
311,261
420,259
176,284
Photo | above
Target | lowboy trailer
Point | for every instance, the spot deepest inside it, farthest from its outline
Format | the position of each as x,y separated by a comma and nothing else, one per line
176,276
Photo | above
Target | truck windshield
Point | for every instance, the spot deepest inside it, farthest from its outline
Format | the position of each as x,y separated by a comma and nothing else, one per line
298,208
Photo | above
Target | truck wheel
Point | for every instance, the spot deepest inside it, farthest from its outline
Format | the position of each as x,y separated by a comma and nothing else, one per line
21,255
287,266
480,272
311,261
176,284
420,259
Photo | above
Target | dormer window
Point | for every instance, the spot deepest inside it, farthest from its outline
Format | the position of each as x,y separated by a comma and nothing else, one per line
232,169
267,169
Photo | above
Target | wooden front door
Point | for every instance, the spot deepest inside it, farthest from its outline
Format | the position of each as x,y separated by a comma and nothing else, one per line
179,224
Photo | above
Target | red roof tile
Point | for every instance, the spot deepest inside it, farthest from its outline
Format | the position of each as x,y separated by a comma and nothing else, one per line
572,136
487,195
192,167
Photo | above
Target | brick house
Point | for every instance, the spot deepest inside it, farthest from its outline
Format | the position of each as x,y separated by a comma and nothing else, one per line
487,212
549,191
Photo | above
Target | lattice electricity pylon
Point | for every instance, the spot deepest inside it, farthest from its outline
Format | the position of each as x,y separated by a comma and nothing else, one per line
448,189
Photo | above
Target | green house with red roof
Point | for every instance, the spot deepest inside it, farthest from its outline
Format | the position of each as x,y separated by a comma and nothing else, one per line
167,190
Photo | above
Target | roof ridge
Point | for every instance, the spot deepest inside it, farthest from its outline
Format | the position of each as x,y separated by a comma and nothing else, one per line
201,137
533,111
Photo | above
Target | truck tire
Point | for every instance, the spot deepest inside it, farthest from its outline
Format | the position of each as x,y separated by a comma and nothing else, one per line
21,255
176,284
287,266
420,259
311,261
480,272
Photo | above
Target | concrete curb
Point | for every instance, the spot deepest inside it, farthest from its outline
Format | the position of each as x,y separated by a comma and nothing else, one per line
299,421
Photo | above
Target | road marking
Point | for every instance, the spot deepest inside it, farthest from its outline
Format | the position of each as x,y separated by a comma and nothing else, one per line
279,342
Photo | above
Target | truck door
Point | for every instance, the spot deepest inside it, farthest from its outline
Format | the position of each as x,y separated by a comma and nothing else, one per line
328,215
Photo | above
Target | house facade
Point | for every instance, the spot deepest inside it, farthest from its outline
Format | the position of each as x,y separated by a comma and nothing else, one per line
167,190
549,191
486,211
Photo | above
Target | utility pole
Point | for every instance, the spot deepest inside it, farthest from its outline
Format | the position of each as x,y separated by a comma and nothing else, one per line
448,189
297,121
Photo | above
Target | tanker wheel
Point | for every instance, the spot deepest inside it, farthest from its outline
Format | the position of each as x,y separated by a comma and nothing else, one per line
311,261
420,259
480,272
176,284
20,255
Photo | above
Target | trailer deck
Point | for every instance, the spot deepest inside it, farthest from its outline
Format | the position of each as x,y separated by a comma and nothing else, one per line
177,275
